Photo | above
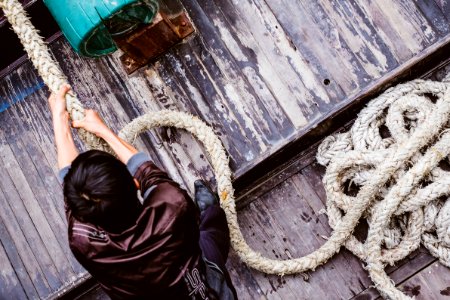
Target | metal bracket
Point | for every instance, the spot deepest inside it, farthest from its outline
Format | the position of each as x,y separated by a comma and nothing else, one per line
146,43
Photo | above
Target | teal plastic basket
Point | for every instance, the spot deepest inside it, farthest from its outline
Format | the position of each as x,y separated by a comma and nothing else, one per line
89,25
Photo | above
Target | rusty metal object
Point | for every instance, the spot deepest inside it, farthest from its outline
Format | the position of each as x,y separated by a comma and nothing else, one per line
147,42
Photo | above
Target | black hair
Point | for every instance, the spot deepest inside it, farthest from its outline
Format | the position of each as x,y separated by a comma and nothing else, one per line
100,190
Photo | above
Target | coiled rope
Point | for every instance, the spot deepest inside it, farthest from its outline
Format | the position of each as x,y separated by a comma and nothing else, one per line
401,185
403,191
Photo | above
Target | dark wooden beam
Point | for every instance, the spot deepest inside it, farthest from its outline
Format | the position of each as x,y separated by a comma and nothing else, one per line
26,4
13,54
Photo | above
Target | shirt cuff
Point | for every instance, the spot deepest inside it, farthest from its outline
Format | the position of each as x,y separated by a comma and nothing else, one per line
62,173
136,161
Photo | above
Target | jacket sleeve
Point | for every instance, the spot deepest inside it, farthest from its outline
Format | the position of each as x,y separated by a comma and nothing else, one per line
62,173
146,172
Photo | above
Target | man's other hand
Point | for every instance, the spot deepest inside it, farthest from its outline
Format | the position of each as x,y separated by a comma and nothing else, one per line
93,123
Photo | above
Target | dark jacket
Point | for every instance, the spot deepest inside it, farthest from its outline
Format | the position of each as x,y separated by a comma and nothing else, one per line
159,256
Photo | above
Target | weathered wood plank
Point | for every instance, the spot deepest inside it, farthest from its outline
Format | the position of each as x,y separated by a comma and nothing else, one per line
349,267
286,223
209,107
400,23
287,109
432,282
300,229
301,59
313,174
15,282
346,46
444,5
10,287
270,243
34,166
33,119
343,112
44,173
231,83
400,274
271,53
32,150
246,286
308,38
95,294
435,16
262,74
245,133
26,238
182,152
351,29
28,206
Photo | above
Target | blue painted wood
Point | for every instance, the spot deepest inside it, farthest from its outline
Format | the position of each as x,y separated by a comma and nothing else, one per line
22,94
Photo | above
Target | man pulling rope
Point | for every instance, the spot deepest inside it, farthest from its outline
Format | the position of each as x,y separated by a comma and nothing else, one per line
131,226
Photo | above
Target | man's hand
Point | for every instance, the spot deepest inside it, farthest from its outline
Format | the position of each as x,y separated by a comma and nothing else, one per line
57,102
65,146
93,123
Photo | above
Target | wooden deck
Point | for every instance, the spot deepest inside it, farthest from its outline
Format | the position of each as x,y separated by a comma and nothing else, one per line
272,77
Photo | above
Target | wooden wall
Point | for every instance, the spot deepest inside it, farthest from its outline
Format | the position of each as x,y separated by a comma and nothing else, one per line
261,73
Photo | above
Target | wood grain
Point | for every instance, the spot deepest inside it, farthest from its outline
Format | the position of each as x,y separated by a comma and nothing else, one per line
262,73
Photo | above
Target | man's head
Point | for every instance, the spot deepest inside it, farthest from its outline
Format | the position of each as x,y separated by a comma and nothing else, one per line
99,189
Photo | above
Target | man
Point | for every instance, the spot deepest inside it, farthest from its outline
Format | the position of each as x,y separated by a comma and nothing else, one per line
131,226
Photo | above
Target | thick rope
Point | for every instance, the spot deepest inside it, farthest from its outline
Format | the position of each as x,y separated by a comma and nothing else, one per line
47,67
401,185
399,177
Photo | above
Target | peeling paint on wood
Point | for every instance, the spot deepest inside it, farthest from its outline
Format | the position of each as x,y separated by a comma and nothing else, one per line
259,72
